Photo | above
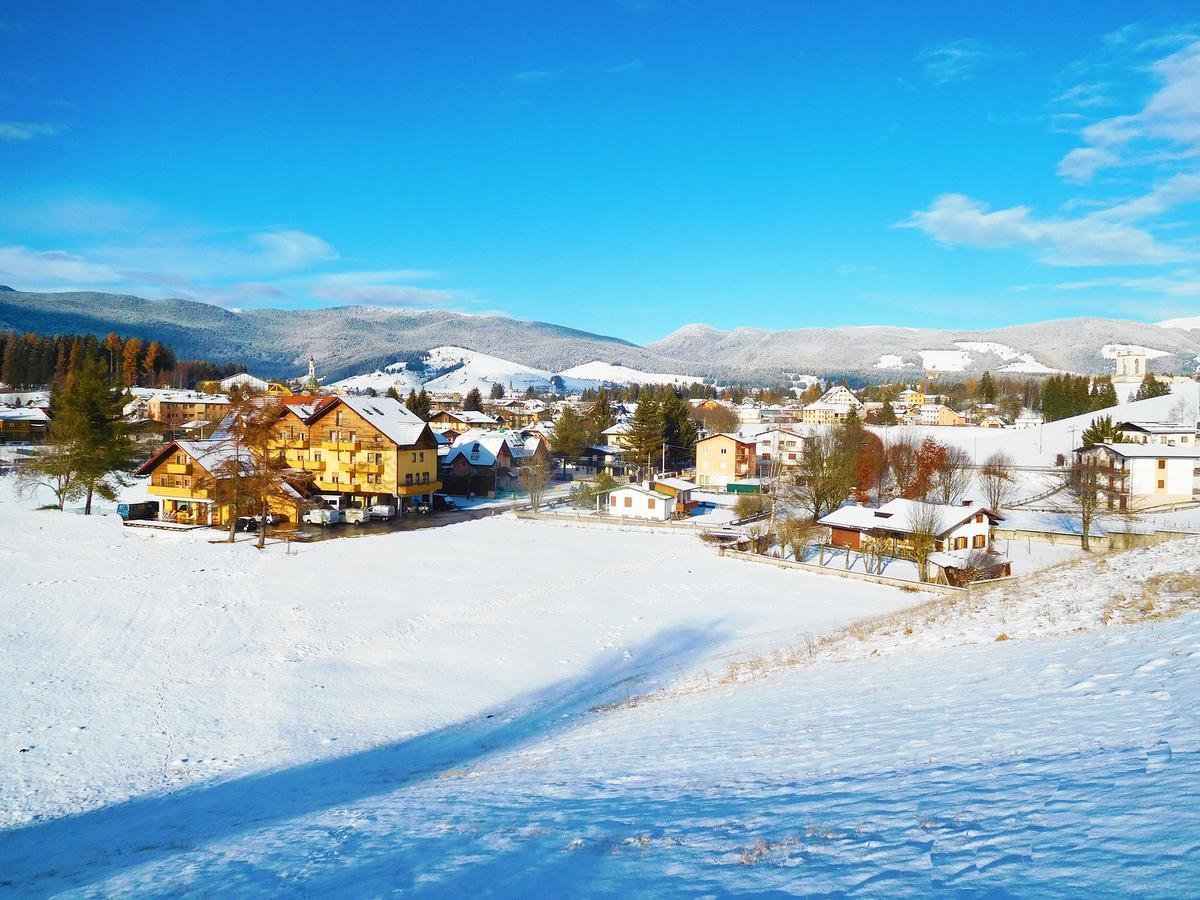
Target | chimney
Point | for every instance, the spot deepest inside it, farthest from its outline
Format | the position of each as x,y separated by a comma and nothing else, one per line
968,503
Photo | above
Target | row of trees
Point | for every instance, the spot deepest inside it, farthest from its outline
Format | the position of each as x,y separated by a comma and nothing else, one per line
1064,396
661,431
27,360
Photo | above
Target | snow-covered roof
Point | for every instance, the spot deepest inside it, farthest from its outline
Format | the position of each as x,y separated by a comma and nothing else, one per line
676,483
725,434
1157,427
391,417
897,516
208,455
23,414
619,428
1151,451
470,416
639,489
957,559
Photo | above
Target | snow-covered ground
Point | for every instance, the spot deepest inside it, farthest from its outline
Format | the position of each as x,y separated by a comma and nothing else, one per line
519,708
598,373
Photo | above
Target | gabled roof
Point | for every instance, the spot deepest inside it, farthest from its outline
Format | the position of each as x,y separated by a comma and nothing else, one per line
468,416
749,442
1149,451
1156,427
208,455
388,416
677,484
638,489
896,517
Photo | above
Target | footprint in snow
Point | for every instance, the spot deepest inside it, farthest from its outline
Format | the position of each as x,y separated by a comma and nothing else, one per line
1151,666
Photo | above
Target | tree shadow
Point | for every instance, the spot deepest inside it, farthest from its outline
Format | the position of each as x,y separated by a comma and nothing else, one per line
81,849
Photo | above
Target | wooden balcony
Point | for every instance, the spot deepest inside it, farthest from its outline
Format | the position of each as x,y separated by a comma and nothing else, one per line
180,493
341,446
179,468
311,465
416,490
366,468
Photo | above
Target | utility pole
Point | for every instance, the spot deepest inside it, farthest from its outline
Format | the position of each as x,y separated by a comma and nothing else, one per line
664,457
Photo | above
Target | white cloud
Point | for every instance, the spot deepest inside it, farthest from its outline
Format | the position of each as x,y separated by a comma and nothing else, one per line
51,267
285,250
1178,190
957,60
1166,127
956,219
1184,286
25,131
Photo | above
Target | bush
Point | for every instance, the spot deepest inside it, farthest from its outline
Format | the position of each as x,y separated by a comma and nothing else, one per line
749,505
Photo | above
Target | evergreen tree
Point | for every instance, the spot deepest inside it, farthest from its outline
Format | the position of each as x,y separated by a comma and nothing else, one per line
646,433
599,416
679,430
1100,431
424,407
497,391
473,402
395,395
100,440
987,388
570,435
1151,387
886,415
1104,395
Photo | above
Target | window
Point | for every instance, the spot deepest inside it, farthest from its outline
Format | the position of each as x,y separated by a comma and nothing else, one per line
421,456
379,439
337,417
960,543
724,450
650,504
978,541
316,456
612,501
1162,463
1161,484
354,436
979,518
425,478
628,501
414,459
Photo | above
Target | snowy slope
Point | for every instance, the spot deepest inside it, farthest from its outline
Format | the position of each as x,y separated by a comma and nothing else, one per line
1187,323
1040,446
343,737
457,370
597,373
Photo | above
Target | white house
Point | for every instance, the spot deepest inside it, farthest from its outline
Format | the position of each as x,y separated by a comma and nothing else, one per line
633,501
1171,434
1143,475
784,446
965,527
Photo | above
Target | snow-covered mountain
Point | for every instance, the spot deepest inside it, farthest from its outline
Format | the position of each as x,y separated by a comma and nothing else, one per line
456,370
351,341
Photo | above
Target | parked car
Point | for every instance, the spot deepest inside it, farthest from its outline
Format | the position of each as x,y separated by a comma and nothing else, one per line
147,509
323,516
382,511
272,519
354,515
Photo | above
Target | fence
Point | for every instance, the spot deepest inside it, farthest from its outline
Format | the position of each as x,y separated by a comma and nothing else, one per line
855,576
1111,540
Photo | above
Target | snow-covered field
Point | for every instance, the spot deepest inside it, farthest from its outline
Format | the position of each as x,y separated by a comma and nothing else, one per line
520,708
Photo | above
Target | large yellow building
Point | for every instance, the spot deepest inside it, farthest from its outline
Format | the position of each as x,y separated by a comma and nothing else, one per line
355,451
368,450
722,458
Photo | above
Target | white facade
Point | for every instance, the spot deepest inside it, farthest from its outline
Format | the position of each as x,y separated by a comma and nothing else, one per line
636,502
1145,475
781,445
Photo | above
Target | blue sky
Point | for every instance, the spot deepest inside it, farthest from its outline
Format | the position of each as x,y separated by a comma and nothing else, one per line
621,167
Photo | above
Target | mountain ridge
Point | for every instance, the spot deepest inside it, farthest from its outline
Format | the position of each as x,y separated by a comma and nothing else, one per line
349,340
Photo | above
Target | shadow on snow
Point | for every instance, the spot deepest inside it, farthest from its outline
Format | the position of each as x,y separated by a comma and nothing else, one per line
81,849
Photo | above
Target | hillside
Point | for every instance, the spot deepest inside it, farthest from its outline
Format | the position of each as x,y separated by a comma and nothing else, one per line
345,340
353,340
1077,345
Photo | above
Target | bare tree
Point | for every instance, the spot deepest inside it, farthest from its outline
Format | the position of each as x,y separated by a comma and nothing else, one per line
796,533
983,565
902,461
996,477
1083,492
954,476
533,479
874,552
54,467
825,476
924,525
